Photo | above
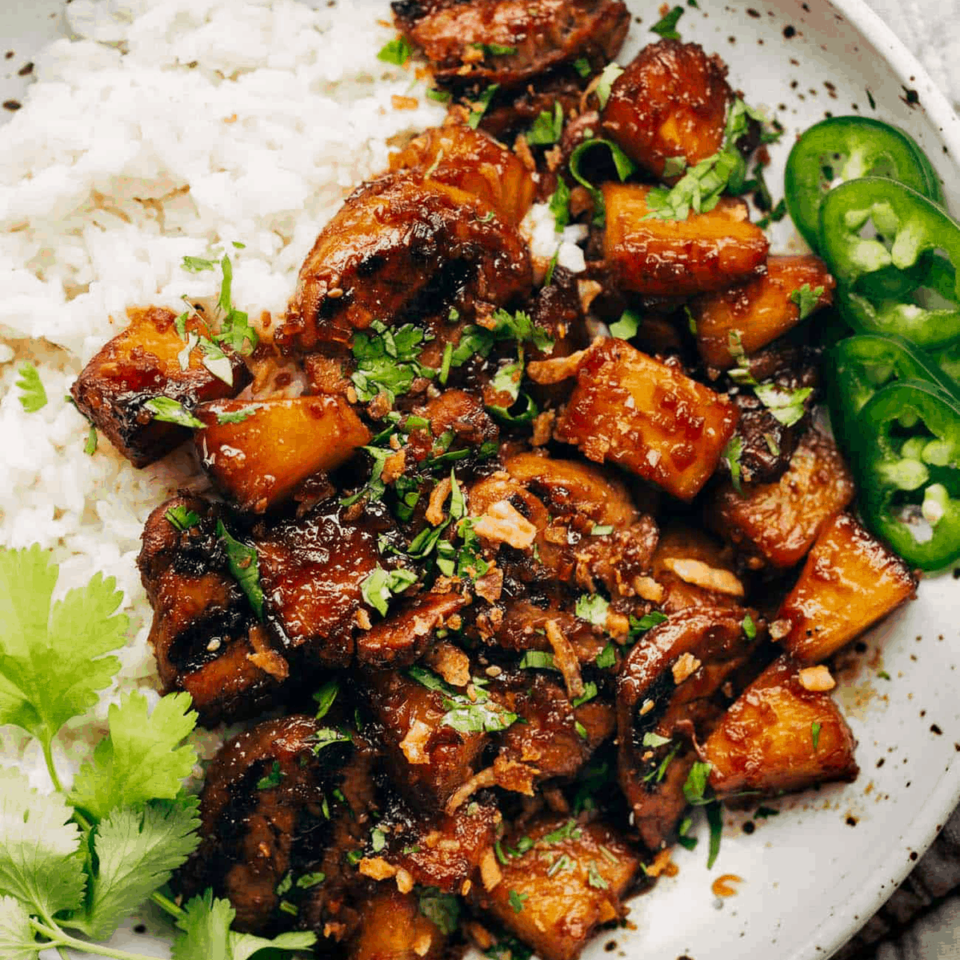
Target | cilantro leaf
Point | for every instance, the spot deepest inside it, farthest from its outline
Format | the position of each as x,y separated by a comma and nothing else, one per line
238,416
494,49
623,164
207,935
397,51
198,264
171,411
715,821
548,126
732,453
481,105
696,782
90,444
786,405
749,627
559,204
443,909
666,27
39,865
17,937
582,65
537,660
627,326
647,622
141,759
516,900
464,714
137,852
607,657
655,740
607,79
52,659
380,585
244,567
815,735
674,167
592,608
325,697
805,299
180,518
388,360
33,396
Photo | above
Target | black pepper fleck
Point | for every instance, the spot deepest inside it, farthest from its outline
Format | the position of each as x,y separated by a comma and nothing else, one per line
935,729
25,70
749,827
789,32
852,821
12,105
911,98
914,855
140,928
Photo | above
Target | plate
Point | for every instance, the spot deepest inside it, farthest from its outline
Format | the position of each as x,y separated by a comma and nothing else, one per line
813,874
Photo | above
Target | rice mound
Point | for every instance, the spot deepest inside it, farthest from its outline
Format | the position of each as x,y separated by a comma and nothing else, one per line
162,128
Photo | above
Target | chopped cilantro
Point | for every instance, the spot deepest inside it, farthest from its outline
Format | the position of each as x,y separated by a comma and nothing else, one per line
378,839
608,77
569,831
90,444
238,416
582,66
397,51
749,627
559,204
674,166
272,779
548,279
762,813
325,698
696,782
33,396
388,361
380,585
170,411
244,567
517,900
607,657
463,714
595,878
198,264
815,734
601,530
494,49
627,326
731,454
443,909
589,692
666,27
180,518
883,675
647,622
655,740
593,608
806,299
441,96
715,822
327,736
481,106
623,164
658,773
537,660
786,405
547,127
309,880
508,948
581,730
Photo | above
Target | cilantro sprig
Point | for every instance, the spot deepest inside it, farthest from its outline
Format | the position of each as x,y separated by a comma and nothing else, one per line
33,396
79,863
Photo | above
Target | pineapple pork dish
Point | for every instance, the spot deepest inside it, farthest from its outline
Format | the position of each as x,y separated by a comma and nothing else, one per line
525,532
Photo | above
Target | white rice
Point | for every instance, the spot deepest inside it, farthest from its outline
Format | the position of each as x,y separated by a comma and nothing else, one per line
270,112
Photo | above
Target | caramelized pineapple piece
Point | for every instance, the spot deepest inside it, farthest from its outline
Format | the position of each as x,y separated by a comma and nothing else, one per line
571,880
850,581
402,247
139,364
392,927
759,311
259,451
780,736
473,162
707,251
778,522
646,416
671,101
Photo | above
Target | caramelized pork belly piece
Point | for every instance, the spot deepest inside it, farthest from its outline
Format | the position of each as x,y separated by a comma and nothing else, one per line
258,452
646,416
849,582
695,570
672,686
401,247
407,633
437,849
674,258
580,519
392,926
513,110
141,364
312,570
205,635
777,523
671,101
428,760
570,877
743,319
471,161
275,804
454,412
511,41
766,444
780,735
554,738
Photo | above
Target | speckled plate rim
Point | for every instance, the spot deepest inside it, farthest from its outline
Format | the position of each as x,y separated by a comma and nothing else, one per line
840,925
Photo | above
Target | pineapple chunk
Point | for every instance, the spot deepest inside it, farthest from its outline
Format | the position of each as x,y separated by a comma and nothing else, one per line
392,927
140,364
671,101
779,522
759,311
850,581
780,736
707,251
474,162
555,894
258,452
646,416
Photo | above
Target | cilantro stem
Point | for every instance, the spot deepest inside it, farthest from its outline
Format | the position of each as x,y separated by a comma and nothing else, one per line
51,769
60,939
167,905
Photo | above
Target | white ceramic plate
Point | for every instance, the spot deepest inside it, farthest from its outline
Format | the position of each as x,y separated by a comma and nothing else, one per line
814,874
